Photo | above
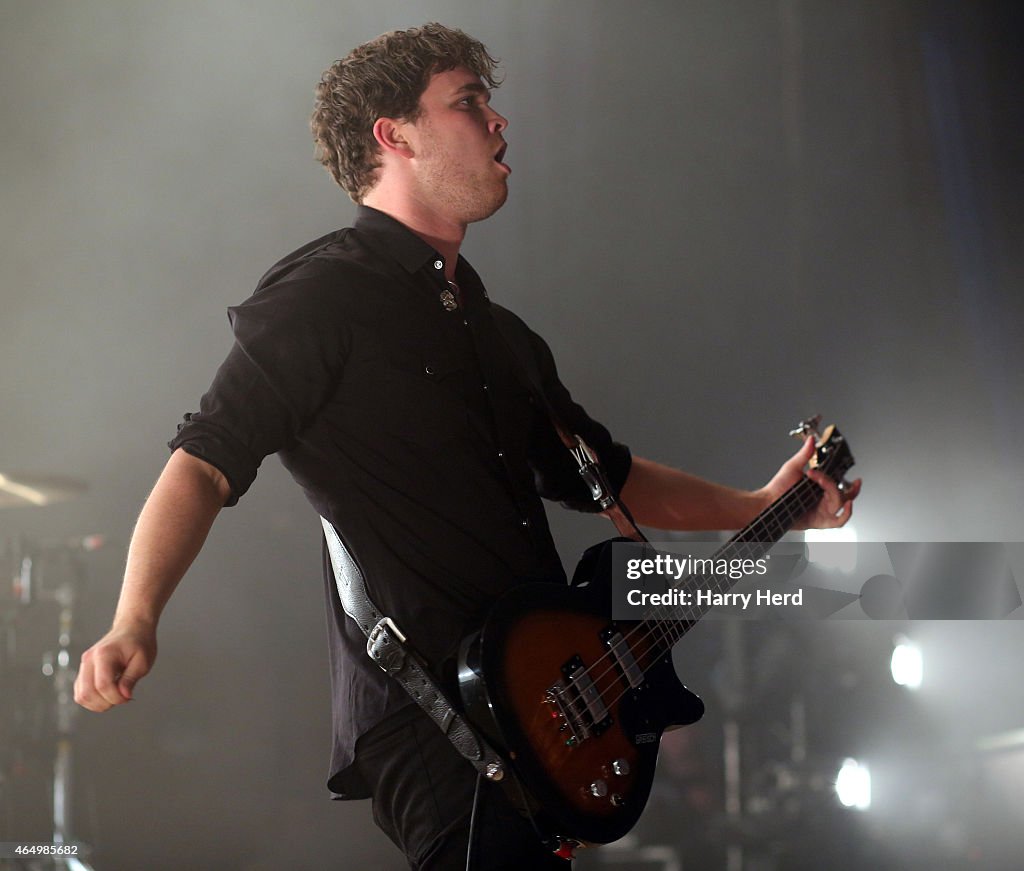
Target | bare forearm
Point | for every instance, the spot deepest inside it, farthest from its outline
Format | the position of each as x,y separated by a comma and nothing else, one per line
667,498
170,532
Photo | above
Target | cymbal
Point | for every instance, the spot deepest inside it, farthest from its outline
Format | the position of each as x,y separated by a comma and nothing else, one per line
21,490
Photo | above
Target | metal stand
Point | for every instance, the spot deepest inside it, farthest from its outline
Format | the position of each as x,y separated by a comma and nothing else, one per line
732,747
56,665
628,853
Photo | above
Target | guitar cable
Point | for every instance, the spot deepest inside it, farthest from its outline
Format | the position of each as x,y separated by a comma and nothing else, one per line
472,823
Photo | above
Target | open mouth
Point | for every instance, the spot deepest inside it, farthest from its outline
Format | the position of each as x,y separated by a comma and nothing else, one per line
500,157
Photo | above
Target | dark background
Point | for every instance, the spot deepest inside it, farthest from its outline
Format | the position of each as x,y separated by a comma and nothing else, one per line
723,217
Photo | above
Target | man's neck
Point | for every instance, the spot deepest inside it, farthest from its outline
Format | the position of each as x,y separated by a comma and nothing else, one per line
444,236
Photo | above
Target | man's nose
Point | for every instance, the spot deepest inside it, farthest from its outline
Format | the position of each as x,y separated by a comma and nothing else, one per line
496,123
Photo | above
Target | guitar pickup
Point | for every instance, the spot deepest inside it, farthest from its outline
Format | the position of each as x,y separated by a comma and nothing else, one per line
585,698
622,654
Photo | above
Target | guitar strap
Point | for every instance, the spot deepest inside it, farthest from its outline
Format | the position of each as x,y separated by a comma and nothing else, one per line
388,646
587,461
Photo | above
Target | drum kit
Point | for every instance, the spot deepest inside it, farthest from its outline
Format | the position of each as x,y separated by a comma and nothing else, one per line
36,684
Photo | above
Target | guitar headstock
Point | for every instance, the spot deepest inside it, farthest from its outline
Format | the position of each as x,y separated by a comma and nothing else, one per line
831,451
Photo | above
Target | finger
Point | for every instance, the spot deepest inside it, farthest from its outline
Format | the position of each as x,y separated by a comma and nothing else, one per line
845,509
832,510
849,491
853,490
107,673
136,668
832,498
795,464
85,693
800,458
832,520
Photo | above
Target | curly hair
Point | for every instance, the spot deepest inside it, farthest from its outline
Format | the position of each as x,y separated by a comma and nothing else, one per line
384,78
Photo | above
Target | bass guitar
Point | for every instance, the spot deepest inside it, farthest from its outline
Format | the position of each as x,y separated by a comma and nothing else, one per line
575,702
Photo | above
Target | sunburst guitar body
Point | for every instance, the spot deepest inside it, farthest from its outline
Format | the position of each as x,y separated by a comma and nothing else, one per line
577,709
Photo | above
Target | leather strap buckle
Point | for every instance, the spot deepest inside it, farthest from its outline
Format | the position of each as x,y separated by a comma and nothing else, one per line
386,646
592,474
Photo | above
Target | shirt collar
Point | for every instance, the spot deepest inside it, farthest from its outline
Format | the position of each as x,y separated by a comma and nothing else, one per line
393,238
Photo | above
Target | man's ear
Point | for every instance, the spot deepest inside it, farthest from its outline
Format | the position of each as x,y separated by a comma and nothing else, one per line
390,136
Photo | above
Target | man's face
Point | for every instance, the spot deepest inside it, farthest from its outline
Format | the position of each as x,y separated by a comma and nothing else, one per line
456,141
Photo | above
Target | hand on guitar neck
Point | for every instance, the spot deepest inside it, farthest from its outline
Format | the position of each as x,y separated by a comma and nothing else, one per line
836,505
666,498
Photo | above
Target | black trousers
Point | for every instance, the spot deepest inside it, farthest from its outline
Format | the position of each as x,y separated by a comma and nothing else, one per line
423,795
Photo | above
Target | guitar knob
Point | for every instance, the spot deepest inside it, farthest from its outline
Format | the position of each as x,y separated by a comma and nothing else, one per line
566,850
599,789
620,767
617,800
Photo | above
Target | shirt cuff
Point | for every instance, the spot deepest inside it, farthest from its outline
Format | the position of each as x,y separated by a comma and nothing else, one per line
216,446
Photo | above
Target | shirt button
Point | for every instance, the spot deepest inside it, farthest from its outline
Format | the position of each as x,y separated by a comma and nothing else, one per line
485,386
428,369
525,522
501,454
438,264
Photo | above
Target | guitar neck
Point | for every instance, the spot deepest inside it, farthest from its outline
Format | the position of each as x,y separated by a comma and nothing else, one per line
752,542
775,521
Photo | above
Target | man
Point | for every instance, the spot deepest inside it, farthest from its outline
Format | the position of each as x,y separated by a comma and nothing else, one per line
374,363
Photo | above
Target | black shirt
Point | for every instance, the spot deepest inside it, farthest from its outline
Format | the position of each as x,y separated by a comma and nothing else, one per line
407,424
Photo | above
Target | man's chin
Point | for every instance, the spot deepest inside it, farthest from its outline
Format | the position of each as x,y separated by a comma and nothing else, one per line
487,209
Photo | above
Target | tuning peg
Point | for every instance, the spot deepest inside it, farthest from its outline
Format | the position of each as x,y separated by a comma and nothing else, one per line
807,427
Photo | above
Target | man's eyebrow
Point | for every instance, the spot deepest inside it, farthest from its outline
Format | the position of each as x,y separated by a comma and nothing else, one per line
475,87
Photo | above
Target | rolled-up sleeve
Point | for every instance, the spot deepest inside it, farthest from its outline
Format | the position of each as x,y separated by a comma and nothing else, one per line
290,347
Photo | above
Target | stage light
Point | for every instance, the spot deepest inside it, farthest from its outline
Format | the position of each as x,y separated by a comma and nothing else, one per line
832,548
907,664
853,785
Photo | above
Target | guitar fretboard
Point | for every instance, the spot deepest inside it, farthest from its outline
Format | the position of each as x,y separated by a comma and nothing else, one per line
751,542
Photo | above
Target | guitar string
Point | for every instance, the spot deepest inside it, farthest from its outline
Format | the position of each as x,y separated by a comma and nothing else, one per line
662,634
658,627
805,494
661,627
